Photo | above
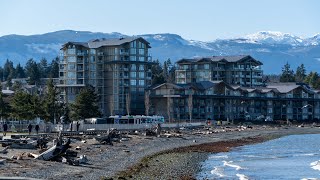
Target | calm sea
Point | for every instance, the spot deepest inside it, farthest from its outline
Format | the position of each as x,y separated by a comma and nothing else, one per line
290,157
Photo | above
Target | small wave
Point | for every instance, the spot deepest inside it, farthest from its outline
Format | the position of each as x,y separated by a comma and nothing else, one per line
218,171
315,165
219,157
310,179
242,177
229,163
309,154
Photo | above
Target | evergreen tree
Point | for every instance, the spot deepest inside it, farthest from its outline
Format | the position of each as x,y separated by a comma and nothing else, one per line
20,71
287,74
8,70
157,75
86,104
43,68
33,72
51,104
300,73
53,69
4,106
1,74
23,106
312,79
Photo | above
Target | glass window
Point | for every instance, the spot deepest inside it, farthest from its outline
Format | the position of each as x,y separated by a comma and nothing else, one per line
141,58
92,51
92,74
133,74
71,66
92,59
141,67
133,51
71,75
133,67
133,82
92,67
206,66
71,51
71,59
115,50
133,58
141,74
141,82
71,81
141,51
133,44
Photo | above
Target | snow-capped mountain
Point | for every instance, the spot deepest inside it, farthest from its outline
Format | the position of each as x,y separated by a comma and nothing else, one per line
274,49
273,37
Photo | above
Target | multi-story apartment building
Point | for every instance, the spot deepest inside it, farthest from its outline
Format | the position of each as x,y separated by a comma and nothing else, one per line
117,68
220,101
241,70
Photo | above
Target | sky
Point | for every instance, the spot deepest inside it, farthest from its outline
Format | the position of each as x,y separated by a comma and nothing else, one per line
203,20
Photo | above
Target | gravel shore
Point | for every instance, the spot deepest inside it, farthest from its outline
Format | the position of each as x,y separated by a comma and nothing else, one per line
141,157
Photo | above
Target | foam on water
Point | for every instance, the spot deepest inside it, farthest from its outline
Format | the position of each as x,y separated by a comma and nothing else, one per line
242,177
229,163
315,165
218,171
219,157
290,157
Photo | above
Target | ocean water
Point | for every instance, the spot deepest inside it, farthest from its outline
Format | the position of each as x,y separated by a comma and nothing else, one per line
290,157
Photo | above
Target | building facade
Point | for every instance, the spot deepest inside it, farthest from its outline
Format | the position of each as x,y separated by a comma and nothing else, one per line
240,70
217,100
118,69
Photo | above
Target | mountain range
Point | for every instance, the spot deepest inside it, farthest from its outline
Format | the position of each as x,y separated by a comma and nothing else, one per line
274,49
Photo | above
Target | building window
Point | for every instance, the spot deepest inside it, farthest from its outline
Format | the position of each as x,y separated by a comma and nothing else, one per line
72,59
133,67
133,51
133,82
71,74
133,58
71,66
92,51
141,74
133,44
141,51
72,51
141,82
206,66
141,58
133,74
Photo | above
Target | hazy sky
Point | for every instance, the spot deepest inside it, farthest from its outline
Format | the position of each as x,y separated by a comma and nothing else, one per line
192,19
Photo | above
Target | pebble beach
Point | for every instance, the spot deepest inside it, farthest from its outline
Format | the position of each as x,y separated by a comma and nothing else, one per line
174,155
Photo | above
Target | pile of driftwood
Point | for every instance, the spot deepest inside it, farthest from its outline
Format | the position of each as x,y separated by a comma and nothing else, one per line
60,152
112,135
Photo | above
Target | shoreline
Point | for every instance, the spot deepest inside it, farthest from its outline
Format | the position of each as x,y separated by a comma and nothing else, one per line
185,162
126,159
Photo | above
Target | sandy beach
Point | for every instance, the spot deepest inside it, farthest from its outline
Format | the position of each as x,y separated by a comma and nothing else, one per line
171,156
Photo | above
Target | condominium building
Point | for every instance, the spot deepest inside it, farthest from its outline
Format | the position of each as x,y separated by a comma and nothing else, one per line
240,70
116,68
217,100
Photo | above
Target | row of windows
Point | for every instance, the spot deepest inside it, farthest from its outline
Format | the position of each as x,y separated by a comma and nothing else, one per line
134,82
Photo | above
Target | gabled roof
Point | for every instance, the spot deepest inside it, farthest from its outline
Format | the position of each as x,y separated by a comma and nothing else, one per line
238,58
166,84
97,43
287,87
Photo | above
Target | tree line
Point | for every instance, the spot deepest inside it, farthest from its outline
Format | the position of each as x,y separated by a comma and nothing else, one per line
300,75
32,70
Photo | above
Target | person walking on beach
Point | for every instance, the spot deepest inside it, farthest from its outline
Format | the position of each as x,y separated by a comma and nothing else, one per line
29,128
78,125
37,128
5,128
71,126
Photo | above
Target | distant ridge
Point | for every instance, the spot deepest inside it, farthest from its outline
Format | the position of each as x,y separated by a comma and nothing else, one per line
274,49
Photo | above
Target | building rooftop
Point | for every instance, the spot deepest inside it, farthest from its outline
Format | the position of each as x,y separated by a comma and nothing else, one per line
97,43
237,58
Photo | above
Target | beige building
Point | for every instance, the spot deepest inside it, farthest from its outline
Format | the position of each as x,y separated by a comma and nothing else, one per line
240,70
115,67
